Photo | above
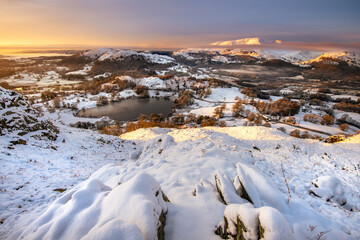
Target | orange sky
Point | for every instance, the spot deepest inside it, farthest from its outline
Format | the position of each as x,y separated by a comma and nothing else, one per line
174,24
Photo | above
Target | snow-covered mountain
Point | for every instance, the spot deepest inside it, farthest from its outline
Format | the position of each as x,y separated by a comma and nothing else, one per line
292,56
102,54
246,41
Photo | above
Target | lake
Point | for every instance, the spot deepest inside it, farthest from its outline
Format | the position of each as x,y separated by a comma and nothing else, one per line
130,109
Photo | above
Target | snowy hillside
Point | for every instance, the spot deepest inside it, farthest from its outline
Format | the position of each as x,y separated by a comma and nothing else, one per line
206,175
292,56
102,54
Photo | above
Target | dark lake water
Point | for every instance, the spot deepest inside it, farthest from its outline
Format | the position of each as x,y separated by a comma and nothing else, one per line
130,109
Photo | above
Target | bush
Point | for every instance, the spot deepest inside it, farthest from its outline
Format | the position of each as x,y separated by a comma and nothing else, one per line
312,118
48,95
114,130
251,116
295,133
178,119
348,107
281,107
102,100
267,124
219,111
6,85
258,119
142,91
344,127
327,120
290,120
185,99
237,108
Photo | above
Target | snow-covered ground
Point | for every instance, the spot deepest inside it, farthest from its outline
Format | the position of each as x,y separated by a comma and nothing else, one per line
183,163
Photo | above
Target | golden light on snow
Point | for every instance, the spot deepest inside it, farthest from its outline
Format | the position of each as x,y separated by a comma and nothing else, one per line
193,134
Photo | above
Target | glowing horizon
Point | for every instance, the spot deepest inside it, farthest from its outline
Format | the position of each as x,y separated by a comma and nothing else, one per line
165,24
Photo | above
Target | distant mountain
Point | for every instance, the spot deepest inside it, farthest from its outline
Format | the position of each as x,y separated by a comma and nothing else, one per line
300,57
102,54
246,41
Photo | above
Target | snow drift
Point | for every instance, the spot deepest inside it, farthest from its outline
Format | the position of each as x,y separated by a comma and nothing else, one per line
132,210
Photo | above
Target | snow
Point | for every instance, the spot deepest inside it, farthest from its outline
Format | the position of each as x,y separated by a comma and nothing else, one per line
329,187
136,213
103,54
83,71
224,94
298,57
112,184
152,82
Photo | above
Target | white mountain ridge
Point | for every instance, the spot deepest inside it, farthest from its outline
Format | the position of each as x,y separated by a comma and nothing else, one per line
292,56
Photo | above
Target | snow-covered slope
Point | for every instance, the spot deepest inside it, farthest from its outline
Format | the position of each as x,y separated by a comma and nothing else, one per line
102,54
352,58
292,56
204,173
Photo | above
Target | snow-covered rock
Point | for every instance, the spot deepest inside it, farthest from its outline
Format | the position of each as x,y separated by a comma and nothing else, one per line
134,209
329,187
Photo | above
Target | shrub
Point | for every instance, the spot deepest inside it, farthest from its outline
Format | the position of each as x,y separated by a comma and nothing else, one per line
348,107
258,119
251,116
178,119
281,107
185,99
208,122
114,130
142,91
305,134
219,111
267,124
290,120
312,118
237,108
327,120
48,95
295,133
102,100
6,85
344,127
154,117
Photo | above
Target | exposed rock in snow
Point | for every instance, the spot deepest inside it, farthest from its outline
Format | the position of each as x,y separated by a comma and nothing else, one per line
19,118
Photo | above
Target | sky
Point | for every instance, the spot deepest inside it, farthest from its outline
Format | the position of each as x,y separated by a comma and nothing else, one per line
175,23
